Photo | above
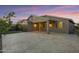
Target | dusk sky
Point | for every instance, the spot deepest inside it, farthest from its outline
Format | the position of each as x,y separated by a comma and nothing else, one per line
24,11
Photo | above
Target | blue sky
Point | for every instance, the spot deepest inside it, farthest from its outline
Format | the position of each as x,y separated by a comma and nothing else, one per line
24,11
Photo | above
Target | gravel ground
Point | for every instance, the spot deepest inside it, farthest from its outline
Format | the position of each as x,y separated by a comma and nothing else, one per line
31,42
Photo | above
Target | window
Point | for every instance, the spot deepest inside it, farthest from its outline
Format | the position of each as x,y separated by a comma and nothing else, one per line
60,24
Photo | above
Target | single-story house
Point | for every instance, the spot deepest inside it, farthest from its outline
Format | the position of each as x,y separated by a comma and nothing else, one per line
50,24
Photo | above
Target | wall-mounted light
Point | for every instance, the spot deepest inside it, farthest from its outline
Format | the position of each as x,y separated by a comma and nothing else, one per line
50,25
35,25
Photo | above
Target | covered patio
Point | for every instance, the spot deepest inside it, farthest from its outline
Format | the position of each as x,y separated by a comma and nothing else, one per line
50,24
46,25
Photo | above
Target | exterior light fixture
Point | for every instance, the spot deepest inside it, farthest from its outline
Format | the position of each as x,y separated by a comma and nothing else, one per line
50,25
35,25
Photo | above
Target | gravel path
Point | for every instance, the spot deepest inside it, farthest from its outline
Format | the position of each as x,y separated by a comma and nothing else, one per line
40,43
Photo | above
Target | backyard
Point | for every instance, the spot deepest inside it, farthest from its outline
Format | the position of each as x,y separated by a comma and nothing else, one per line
34,42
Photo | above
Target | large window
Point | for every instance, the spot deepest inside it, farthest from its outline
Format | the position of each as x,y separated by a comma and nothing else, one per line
60,24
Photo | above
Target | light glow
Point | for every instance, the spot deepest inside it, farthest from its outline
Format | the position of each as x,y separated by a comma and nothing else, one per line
60,24
50,25
35,25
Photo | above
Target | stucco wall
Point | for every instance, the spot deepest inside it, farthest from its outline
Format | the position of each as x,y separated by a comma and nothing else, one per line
71,28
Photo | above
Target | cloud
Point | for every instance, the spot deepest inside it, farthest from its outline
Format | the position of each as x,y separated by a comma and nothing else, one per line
69,11
67,14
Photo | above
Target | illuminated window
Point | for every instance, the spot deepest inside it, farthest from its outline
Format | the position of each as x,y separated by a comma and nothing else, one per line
60,24
35,25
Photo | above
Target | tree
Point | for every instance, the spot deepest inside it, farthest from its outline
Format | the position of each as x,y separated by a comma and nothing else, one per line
8,17
18,27
4,27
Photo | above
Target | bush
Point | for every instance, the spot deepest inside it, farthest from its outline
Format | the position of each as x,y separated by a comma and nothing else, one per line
21,27
24,28
4,27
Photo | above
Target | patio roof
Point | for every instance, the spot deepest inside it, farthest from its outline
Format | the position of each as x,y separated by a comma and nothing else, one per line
34,18
55,17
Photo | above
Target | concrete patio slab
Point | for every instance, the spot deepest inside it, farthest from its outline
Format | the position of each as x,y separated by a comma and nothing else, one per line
31,42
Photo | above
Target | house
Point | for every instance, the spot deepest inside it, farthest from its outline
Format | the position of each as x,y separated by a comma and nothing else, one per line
50,24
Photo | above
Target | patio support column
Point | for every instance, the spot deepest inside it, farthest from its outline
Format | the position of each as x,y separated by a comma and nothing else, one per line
39,26
29,26
47,26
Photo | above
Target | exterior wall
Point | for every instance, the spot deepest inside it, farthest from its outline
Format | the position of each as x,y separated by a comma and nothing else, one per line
71,27
65,26
29,26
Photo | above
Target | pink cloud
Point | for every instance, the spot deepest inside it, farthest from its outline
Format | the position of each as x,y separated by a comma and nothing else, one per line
76,13
67,14
57,11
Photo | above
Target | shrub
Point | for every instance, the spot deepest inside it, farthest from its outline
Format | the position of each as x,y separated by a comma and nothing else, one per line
24,28
21,27
4,27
